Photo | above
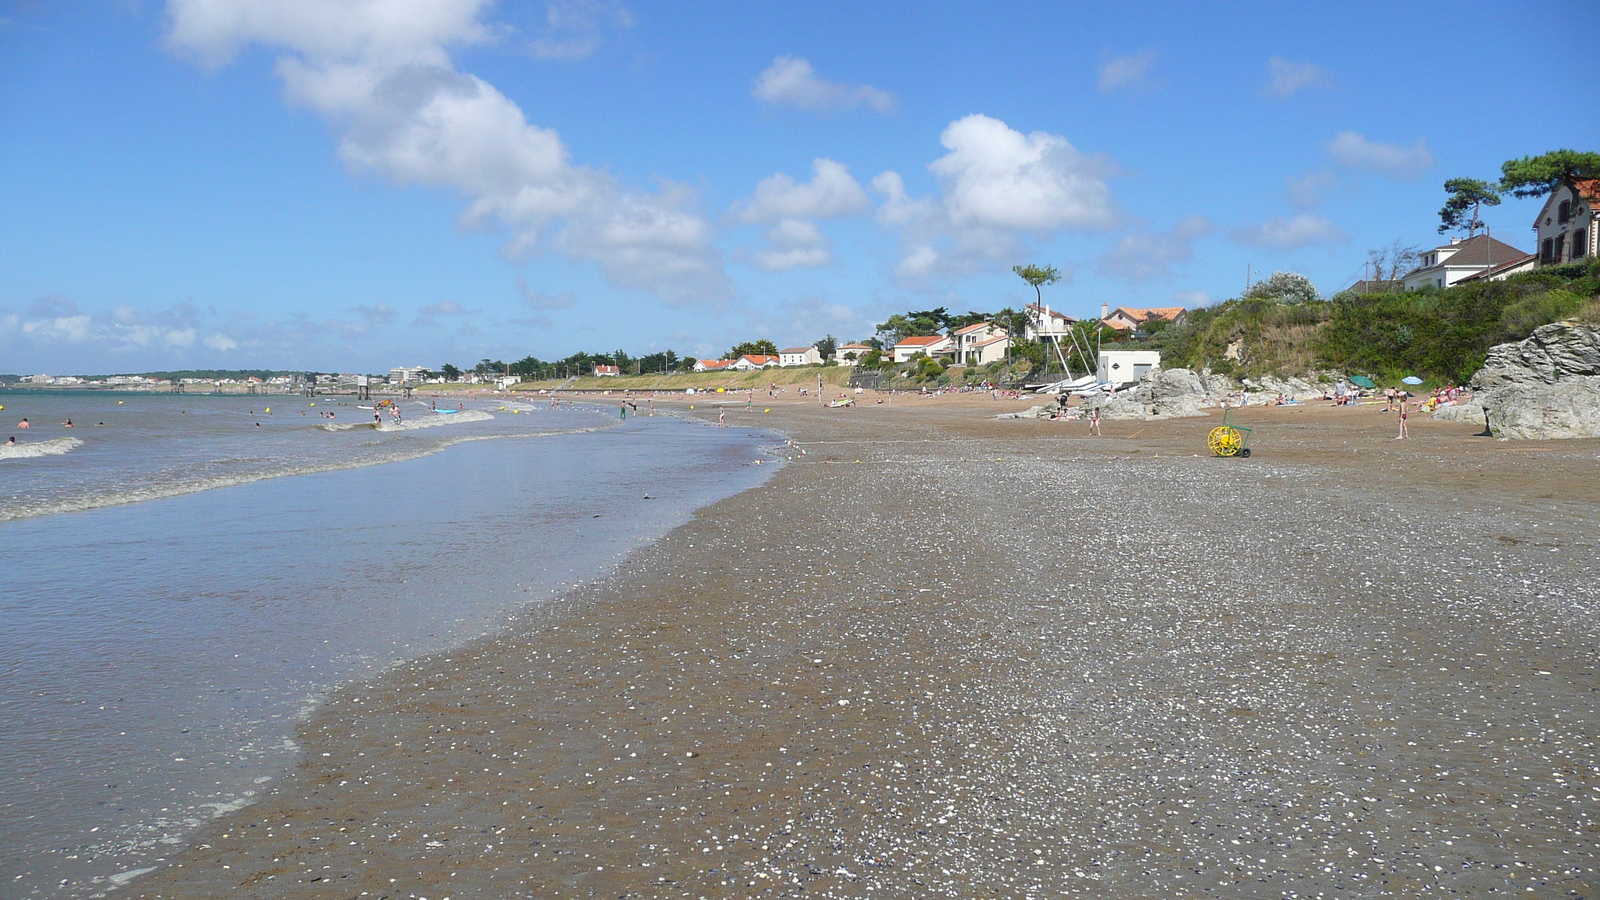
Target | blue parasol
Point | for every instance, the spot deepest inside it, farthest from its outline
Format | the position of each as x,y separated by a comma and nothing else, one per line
1411,379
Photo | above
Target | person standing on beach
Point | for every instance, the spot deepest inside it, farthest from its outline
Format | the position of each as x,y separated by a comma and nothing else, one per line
722,419
1094,421
1403,432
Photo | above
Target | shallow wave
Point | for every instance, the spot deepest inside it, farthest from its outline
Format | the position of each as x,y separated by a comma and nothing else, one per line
54,447
337,426
24,510
437,419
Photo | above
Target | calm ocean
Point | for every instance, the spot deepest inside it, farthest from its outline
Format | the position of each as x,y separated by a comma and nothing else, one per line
182,586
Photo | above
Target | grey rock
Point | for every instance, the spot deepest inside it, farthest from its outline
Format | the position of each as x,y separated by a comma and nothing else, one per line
1545,387
1466,414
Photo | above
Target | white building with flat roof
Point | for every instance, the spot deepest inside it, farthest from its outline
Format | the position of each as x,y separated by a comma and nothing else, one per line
407,374
1122,367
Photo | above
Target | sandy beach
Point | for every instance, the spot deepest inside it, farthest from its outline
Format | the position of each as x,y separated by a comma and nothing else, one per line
941,654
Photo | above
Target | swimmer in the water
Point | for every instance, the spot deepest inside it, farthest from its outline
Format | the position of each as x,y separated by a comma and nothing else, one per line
11,441
67,424
23,423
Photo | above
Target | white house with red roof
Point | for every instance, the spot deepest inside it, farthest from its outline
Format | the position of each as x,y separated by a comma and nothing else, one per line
1569,223
800,356
607,371
752,361
980,343
1128,318
927,345
1046,324
850,354
713,365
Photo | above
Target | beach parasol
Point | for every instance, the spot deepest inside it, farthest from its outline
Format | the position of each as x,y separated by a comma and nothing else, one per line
1411,379
1362,381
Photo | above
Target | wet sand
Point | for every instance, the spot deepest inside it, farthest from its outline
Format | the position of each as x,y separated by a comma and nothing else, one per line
944,655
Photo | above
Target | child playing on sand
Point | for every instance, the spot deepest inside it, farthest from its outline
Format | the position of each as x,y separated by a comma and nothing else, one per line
1094,421
1403,433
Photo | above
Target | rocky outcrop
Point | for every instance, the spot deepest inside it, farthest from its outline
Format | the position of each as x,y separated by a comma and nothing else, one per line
1166,394
1545,387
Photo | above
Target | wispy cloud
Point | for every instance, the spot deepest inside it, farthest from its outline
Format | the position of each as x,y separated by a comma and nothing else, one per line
1311,188
575,29
791,209
1144,257
541,300
1293,233
1128,73
377,314
428,315
1353,151
791,81
1285,78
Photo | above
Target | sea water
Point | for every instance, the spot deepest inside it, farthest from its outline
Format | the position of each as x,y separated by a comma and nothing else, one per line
181,586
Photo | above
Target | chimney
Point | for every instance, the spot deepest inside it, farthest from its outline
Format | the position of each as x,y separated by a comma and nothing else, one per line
1105,310
1455,240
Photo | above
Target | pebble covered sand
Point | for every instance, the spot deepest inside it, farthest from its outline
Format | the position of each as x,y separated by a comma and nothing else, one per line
940,655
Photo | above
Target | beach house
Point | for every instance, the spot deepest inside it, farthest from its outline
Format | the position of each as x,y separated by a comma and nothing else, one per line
1128,318
752,361
800,356
1120,367
713,365
850,354
1474,258
1046,324
927,345
607,371
980,343
1569,223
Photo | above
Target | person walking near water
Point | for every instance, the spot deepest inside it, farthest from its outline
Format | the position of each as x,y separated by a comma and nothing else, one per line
722,419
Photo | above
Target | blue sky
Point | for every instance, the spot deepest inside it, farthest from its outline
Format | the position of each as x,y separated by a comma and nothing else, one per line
352,184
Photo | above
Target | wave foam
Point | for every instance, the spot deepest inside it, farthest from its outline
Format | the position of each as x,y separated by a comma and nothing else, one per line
466,415
54,447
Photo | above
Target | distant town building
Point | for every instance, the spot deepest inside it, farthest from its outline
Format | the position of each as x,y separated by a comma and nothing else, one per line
1046,324
981,343
850,354
799,356
752,361
407,374
1128,318
928,345
1461,259
713,365
607,371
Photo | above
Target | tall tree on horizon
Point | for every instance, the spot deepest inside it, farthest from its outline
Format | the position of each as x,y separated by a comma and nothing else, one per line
1467,197
1535,176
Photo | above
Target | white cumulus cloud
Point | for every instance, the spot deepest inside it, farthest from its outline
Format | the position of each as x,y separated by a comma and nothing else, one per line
791,209
380,73
1286,78
996,186
1293,233
1143,257
791,81
1130,72
1353,151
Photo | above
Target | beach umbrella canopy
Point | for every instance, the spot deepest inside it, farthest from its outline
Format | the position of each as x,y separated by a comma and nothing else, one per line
1411,379
1362,381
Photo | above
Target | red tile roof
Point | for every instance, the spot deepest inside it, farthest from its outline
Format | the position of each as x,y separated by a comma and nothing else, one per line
921,340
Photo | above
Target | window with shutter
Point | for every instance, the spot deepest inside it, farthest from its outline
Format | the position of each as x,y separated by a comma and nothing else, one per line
1580,243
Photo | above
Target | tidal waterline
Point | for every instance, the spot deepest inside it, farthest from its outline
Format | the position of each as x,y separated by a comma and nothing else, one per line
158,654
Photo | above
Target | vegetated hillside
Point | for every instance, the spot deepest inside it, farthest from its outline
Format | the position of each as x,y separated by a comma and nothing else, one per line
1438,334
